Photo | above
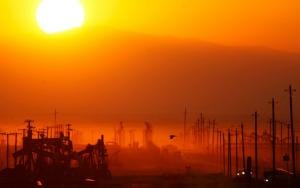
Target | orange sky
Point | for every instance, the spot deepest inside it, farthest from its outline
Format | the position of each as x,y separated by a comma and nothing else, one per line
146,61
271,23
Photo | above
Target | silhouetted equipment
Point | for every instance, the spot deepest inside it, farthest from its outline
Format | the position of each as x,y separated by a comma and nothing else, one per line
208,134
243,146
148,134
39,153
281,132
270,127
201,128
184,126
132,142
288,137
7,149
256,149
229,154
7,146
249,167
286,158
93,160
52,159
236,152
69,130
120,135
55,117
213,134
197,132
202,135
224,158
220,147
273,136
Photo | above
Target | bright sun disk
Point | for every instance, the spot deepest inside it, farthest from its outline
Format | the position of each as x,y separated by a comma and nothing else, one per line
59,15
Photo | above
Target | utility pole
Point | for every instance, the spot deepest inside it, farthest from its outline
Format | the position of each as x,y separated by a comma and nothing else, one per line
208,134
270,127
229,154
16,146
200,129
236,152
7,150
291,91
220,135
203,128
213,135
224,158
217,145
184,126
281,126
197,133
256,150
243,146
288,138
273,136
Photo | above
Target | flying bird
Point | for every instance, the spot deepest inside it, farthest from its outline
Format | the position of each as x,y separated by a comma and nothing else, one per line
172,136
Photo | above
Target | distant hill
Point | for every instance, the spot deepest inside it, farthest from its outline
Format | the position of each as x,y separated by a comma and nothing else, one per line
121,75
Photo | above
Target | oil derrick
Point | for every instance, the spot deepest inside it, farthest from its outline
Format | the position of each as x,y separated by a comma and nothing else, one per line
120,135
148,135
93,160
132,142
196,133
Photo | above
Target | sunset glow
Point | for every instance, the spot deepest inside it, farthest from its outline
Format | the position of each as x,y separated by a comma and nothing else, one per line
149,93
59,15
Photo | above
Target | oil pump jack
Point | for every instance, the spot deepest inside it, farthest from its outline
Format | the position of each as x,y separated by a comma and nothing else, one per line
93,160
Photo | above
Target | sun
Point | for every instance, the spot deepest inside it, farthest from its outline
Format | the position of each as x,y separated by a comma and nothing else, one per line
59,15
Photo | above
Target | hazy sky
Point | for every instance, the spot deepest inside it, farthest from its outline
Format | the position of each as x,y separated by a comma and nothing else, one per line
143,60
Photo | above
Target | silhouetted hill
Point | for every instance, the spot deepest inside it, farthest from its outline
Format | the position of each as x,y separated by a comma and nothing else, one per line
121,75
